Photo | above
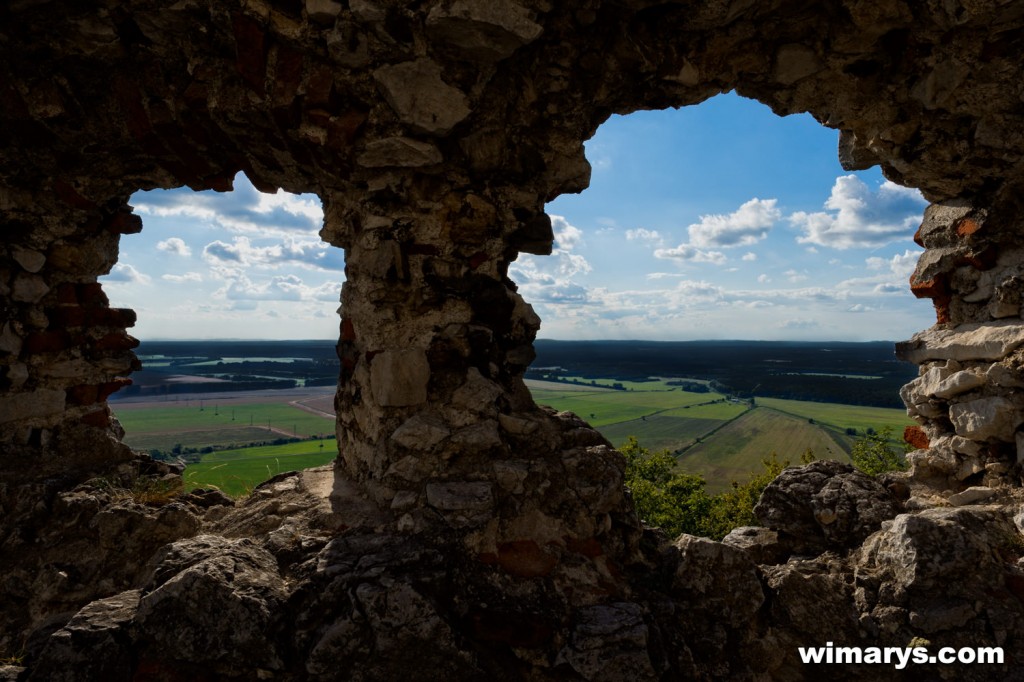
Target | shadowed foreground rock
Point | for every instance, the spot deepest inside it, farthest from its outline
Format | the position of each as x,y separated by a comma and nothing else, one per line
465,532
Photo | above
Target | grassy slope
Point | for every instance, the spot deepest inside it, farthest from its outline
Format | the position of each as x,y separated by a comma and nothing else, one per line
738,448
236,472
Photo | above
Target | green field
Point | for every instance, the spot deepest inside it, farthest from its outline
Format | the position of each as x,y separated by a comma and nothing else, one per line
188,424
723,440
237,472
736,450
842,417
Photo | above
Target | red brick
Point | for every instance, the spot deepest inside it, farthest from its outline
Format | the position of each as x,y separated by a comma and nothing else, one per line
66,316
343,130
115,341
348,330
967,227
97,418
477,259
86,394
46,342
589,547
91,294
104,391
929,288
111,317
136,117
915,436
318,87
525,559
67,294
124,222
287,74
250,51
70,196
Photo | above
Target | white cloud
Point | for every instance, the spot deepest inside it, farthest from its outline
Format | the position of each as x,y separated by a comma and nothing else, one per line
794,276
900,265
551,279
764,279
857,217
244,210
174,245
750,256
747,225
278,288
242,252
645,235
567,236
686,252
123,272
187,277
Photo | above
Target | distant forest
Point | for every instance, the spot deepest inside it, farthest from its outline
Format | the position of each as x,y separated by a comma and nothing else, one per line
832,372
849,373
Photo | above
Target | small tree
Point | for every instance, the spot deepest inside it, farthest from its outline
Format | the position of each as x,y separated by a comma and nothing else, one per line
875,454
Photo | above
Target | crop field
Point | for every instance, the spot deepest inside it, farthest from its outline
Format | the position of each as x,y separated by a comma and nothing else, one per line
162,427
843,417
237,472
733,452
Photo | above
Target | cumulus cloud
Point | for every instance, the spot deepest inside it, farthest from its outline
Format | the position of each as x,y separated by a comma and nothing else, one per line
278,288
186,277
551,279
567,236
900,265
644,235
747,225
242,252
123,272
794,276
244,210
686,252
749,256
175,246
764,279
857,217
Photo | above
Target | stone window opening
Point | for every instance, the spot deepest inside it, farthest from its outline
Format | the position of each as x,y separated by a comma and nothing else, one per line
212,266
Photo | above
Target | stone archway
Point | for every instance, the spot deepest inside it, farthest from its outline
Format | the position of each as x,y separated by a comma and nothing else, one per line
434,134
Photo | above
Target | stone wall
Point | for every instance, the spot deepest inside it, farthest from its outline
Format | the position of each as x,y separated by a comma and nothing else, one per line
434,133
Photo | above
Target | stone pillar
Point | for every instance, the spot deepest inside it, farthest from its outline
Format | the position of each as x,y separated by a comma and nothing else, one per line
967,398
63,349
434,419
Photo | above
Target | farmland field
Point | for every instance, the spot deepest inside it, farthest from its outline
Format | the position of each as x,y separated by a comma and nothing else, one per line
236,472
735,451
149,426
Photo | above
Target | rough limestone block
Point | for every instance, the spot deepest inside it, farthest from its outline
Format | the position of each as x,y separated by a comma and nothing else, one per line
471,495
986,418
399,378
399,152
29,260
29,289
420,433
971,495
36,405
975,341
323,11
483,29
958,383
420,97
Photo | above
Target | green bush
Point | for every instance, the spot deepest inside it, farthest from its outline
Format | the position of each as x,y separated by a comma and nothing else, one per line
875,453
678,502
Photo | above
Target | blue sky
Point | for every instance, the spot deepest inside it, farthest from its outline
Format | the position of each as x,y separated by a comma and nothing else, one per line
716,221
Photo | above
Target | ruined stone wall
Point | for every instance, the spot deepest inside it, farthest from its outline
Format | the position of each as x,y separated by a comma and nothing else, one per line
434,133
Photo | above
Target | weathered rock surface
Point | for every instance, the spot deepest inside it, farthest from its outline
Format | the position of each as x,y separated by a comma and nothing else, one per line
467,533
825,504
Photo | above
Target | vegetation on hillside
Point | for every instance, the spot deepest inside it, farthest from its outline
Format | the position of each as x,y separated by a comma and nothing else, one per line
679,503
874,453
